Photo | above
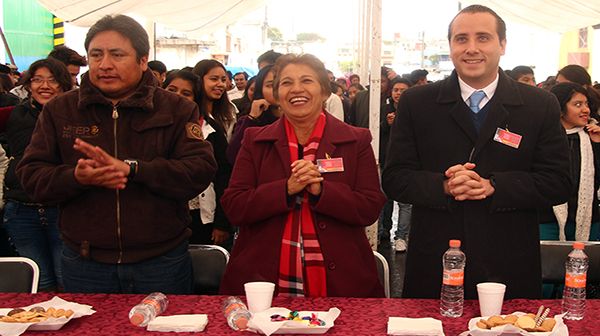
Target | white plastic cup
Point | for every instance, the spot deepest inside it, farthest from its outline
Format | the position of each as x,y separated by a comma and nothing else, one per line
259,295
491,297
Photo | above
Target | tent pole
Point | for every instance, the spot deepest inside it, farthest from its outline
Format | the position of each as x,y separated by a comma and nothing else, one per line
12,60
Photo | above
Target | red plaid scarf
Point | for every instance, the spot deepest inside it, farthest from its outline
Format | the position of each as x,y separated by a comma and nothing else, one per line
301,265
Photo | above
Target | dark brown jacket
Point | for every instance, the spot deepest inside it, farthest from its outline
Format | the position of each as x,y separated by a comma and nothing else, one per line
150,216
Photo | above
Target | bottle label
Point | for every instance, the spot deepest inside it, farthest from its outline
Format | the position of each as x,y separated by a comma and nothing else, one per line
231,307
575,280
153,303
453,277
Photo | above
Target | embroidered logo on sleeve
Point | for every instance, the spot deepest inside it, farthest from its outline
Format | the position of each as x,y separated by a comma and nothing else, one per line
194,131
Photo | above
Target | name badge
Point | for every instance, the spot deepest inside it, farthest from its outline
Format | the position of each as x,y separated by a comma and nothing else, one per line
330,165
508,138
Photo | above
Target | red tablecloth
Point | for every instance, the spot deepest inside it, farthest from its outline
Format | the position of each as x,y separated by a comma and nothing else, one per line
359,316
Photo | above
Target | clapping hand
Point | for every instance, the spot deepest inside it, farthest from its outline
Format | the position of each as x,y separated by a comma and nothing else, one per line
305,175
99,168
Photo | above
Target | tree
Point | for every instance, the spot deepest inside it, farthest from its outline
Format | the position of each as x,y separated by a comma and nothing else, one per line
309,37
274,34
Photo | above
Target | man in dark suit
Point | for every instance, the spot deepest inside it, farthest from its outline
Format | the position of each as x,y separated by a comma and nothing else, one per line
476,169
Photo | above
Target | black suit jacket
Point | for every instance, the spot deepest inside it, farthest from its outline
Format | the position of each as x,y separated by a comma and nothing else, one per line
433,131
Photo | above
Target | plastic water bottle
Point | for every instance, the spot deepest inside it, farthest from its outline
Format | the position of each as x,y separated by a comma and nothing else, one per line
236,313
153,305
453,296
576,267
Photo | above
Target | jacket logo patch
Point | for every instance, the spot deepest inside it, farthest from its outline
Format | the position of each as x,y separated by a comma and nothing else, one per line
83,132
194,131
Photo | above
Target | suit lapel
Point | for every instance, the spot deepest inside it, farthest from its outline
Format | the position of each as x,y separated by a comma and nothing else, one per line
462,115
450,94
496,117
275,133
507,94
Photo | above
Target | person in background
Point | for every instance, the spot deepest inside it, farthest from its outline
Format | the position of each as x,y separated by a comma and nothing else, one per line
238,90
523,74
213,94
122,158
338,90
577,74
241,79
343,83
6,84
269,57
418,77
579,218
353,89
264,110
243,104
71,59
399,85
354,79
477,155
209,224
300,223
159,70
31,224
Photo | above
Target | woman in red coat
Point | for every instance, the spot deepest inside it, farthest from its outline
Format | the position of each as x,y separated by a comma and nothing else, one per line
301,227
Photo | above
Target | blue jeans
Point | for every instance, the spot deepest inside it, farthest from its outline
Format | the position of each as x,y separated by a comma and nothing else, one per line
34,232
404,216
170,273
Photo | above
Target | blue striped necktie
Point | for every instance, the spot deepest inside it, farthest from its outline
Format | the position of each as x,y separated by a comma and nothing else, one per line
475,99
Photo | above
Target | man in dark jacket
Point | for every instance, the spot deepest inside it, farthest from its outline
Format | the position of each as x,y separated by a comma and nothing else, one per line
477,169
122,158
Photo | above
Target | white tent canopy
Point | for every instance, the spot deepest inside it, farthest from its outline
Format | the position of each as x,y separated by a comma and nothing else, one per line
190,16
553,15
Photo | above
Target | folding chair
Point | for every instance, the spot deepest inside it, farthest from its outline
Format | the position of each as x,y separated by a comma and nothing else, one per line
383,271
19,275
209,263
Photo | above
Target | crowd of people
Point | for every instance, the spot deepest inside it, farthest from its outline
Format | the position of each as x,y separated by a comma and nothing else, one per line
107,181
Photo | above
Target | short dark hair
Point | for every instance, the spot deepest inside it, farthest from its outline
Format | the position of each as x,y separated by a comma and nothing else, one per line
125,26
68,56
269,56
57,68
357,85
157,66
401,80
242,73
576,74
417,74
473,9
306,59
519,71
354,76
565,91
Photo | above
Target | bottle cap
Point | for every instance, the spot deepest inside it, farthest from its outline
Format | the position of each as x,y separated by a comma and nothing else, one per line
454,243
579,245
242,323
136,319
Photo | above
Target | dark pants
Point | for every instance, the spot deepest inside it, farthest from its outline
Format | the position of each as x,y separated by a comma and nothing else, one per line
34,231
170,273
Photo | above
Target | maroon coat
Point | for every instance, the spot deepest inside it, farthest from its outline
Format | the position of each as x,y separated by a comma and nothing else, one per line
257,202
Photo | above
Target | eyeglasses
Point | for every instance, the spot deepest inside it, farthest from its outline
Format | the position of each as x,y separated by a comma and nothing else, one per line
40,80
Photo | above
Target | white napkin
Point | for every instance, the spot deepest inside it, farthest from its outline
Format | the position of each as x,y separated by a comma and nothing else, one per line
261,322
179,323
15,329
414,326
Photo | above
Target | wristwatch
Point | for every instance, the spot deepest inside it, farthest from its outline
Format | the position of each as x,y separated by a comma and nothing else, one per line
133,168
